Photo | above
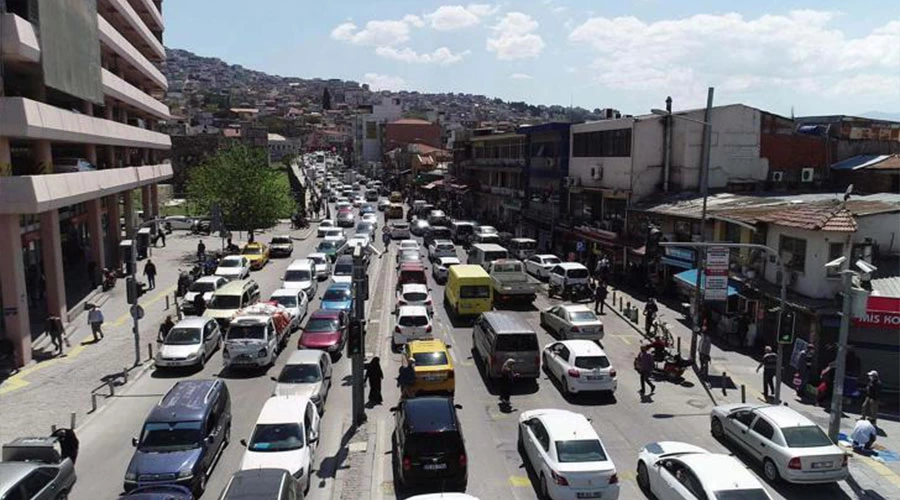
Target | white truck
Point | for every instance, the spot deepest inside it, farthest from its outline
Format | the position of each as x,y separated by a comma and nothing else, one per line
255,336
510,281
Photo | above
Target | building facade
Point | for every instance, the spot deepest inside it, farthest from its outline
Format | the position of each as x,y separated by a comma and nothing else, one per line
79,132
399,133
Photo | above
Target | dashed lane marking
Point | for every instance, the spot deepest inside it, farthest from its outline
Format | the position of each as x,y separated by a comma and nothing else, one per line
519,481
623,338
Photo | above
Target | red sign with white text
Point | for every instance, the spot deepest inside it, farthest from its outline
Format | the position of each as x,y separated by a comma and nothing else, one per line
882,312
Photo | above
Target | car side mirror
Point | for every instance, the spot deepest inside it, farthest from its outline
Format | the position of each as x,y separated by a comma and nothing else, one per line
210,439
458,406
395,409
273,379
244,443
134,442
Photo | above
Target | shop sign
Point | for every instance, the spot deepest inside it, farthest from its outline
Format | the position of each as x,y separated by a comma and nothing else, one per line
879,319
685,254
716,274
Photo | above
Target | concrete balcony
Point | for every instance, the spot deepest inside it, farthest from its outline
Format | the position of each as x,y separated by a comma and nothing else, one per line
18,39
27,119
143,37
149,13
118,88
32,194
124,49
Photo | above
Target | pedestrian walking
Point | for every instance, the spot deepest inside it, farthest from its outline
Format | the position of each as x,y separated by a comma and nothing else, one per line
406,377
650,310
164,328
703,350
95,319
201,251
55,331
374,376
769,364
199,304
507,377
161,236
150,273
863,435
386,238
645,363
873,396
600,294
807,359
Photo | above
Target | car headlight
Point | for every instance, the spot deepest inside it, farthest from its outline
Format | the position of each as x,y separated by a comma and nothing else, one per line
183,473
262,353
130,476
192,355
315,398
299,473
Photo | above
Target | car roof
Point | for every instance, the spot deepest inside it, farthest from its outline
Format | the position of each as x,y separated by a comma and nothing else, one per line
325,313
443,242
507,323
305,356
186,400
430,413
276,408
318,255
414,287
582,347
412,311
286,292
521,239
546,256
412,266
232,287
426,345
720,472
564,425
571,265
575,307
784,416
192,322
299,264
255,483
449,259
489,247
233,257
209,279
469,271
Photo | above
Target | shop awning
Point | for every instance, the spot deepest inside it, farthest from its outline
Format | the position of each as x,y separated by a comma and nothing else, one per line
677,263
689,278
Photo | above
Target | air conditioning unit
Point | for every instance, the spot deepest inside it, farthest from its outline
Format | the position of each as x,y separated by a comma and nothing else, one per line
777,176
807,175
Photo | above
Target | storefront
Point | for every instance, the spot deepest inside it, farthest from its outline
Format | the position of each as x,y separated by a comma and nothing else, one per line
876,339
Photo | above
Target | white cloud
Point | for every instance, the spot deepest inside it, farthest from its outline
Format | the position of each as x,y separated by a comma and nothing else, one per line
442,56
521,76
799,50
414,20
376,33
378,81
513,37
454,17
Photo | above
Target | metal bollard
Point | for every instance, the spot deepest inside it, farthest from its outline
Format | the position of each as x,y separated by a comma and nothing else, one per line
724,385
150,351
743,393
52,428
678,343
72,420
112,387
125,375
167,302
93,402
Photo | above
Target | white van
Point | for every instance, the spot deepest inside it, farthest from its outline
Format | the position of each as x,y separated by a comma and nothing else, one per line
484,253
301,273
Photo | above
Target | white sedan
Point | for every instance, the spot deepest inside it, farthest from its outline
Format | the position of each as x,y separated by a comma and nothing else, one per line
414,294
322,264
566,455
572,321
295,301
441,268
325,224
408,245
441,248
413,323
671,470
540,265
370,218
580,366
233,267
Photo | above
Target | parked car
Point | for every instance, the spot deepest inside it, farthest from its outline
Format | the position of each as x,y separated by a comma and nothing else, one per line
294,301
179,222
307,373
428,444
579,366
413,323
233,267
540,265
36,468
72,165
572,321
669,469
281,246
325,330
566,455
790,446
189,343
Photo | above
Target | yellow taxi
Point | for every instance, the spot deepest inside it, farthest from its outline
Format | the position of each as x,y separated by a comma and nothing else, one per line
257,253
433,365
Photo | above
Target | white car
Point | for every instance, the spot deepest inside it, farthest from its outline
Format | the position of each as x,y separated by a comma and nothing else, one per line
671,470
408,256
322,264
572,321
295,301
372,218
566,455
440,270
413,323
179,222
414,294
233,267
203,286
307,373
408,245
189,343
540,265
342,204
579,366
441,248
790,446
333,232
285,436
325,225
301,274
399,231
383,203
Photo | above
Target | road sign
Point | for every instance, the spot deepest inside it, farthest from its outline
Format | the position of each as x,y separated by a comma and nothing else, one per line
137,311
716,274
580,246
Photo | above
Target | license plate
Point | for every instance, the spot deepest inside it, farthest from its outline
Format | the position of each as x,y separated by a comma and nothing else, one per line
588,494
595,377
435,466
822,465
433,378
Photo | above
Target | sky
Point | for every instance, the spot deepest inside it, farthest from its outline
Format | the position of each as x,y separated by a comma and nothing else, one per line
801,56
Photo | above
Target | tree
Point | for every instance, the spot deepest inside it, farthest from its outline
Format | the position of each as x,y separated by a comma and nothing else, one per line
239,180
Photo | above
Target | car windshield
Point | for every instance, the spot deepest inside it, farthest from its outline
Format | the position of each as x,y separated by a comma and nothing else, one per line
591,362
415,296
297,275
551,260
281,241
580,450
276,437
580,316
250,332
326,246
577,273
300,374
343,269
183,336
286,300
413,320
752,494
251,251
225,302
336,294
474,292
321,325
492,256
430,358
230,263
201,287
170,436
809,436
516,342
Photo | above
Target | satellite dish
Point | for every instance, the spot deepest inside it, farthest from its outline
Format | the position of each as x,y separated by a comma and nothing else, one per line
847,192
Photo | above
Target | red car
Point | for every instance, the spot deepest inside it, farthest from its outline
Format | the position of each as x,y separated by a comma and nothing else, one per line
326,331
411,272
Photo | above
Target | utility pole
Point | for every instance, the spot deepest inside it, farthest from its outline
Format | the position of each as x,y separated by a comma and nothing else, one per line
357,349
133,289
704,190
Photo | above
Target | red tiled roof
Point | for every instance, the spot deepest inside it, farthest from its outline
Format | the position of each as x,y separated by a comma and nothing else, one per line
813,217
890,163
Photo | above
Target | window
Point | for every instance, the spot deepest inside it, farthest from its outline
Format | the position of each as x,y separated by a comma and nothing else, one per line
540,433
745,417
764,428
37,481
835,250
614,143
793,252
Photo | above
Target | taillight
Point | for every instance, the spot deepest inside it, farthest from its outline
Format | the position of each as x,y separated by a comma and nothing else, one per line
614,479
428,329
462,460
450,375
575,329
397,329
559,478
407,463
794,464
428,302
574,373
612,373
845,460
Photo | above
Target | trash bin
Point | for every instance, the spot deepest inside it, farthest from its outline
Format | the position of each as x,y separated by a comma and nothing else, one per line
125,250
144,235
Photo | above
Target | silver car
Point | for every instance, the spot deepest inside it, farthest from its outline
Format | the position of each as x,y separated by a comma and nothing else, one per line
189,343
322,264
307,373
34,468
572,321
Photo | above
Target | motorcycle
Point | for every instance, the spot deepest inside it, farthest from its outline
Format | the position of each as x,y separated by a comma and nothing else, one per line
673,365
109,279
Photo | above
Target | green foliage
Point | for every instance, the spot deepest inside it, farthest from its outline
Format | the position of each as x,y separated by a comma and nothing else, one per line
239,180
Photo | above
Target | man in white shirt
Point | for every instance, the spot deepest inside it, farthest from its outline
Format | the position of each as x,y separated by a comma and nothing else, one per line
95,319
863,435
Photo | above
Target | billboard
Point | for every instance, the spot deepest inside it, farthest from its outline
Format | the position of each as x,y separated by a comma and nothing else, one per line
70,48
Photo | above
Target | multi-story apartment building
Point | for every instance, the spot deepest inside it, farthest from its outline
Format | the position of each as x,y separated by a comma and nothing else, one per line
493,166
80,106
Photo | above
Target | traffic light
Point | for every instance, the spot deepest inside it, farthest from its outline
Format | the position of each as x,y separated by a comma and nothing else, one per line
786,330
355,341
131,289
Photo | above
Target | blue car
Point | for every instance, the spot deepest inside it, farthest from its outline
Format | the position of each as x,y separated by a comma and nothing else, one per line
338,297
368,208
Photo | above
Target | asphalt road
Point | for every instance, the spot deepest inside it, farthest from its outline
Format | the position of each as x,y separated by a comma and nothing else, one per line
625,423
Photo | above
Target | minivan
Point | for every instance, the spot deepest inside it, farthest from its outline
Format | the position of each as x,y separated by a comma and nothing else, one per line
301,273
499,336
522,248
182,437
468,290
484,253
231,298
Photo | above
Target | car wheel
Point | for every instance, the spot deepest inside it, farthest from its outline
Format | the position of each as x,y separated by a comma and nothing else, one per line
715,428
643,477
544,493
520,446
770,470
63,495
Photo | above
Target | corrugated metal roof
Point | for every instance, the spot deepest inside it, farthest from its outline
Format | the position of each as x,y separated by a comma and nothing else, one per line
861,162
823,216
886,287
723,204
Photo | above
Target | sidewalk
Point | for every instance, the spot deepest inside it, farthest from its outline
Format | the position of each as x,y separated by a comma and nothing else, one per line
879,473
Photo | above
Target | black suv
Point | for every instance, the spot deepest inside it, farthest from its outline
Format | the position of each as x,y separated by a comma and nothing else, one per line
427,445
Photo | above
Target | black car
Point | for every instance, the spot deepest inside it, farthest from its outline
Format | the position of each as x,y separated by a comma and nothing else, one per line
262,484
427,445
